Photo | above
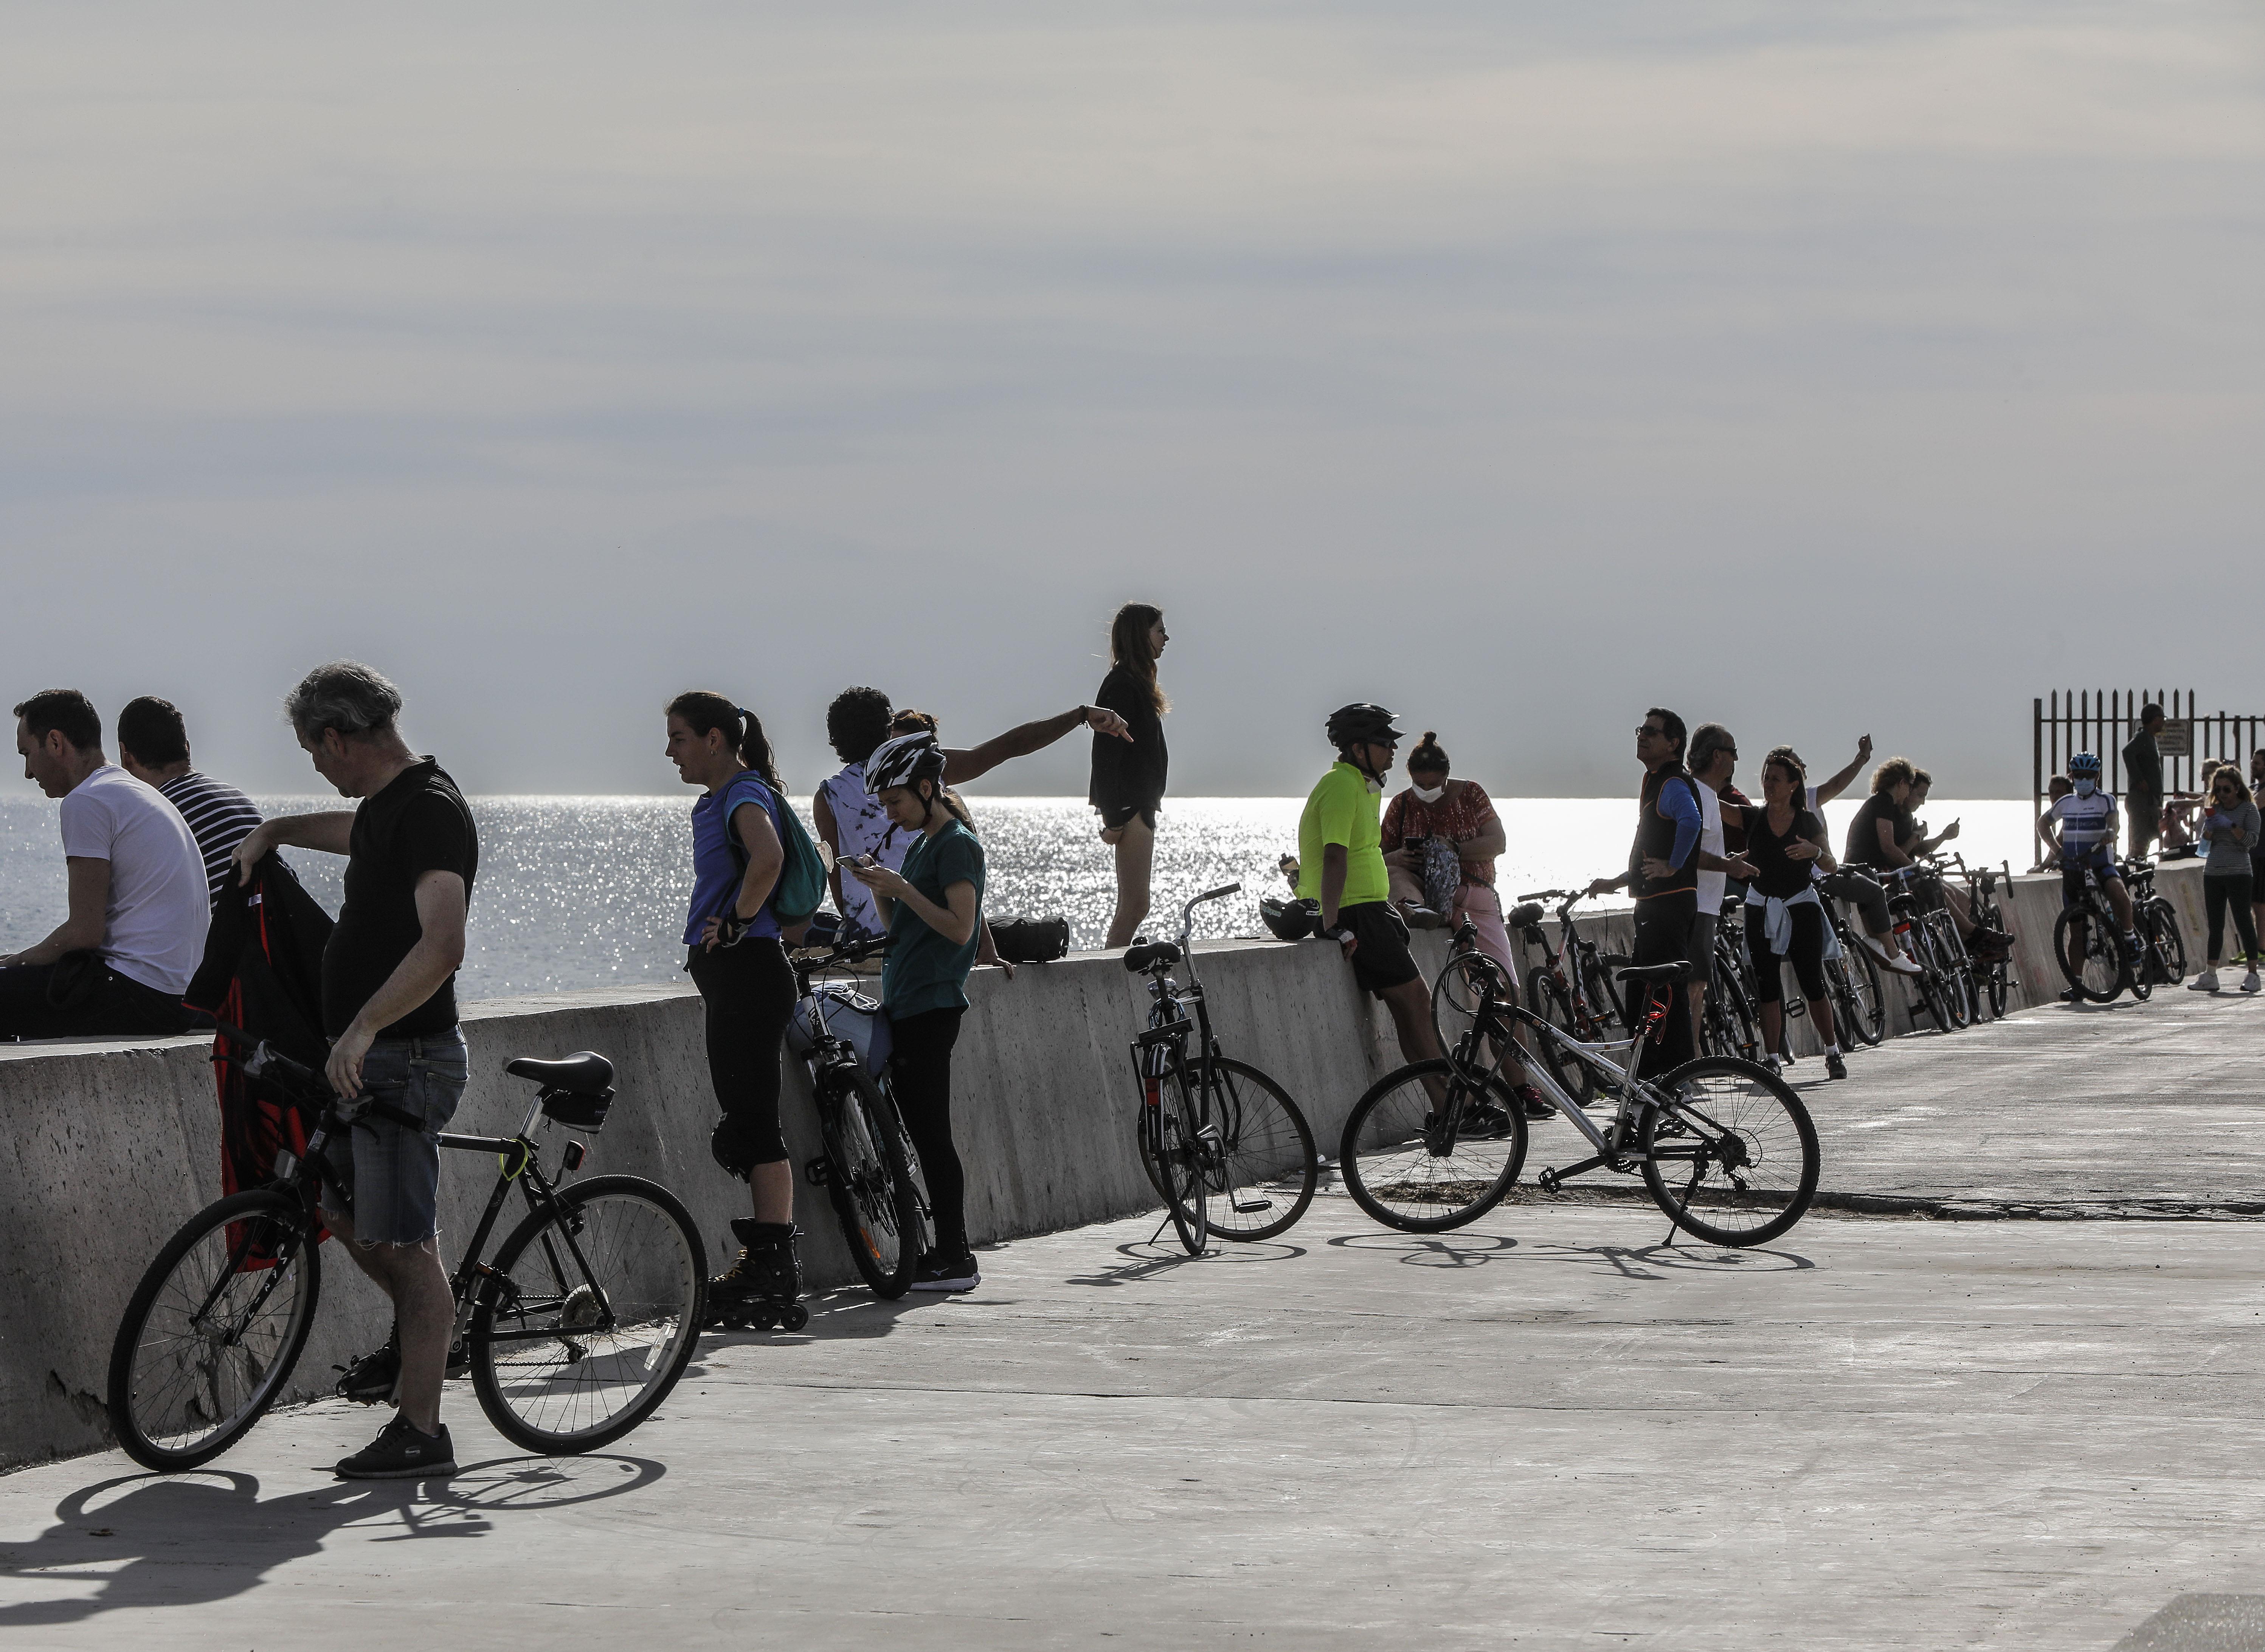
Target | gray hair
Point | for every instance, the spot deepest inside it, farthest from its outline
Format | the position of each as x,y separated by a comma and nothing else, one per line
1707,740
344,695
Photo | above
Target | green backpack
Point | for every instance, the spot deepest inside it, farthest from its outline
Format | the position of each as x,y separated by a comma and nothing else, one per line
802,874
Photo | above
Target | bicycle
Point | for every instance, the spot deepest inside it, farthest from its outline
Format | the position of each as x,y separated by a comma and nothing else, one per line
1931,937
577,1329
2162,942
1853,981
1992,980
1727,1023
1571,988
1221,1142
868,1166
2088,945
1749,1145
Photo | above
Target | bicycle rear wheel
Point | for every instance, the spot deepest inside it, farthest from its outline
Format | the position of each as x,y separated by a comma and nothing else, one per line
1742,1034
589,1315
1547,997
1409,1162
2086,946
1172,1153
869,1183
1262,1175
1928,981
214,1329
1732,1157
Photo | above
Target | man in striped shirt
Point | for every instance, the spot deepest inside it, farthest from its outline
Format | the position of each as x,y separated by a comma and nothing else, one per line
153,745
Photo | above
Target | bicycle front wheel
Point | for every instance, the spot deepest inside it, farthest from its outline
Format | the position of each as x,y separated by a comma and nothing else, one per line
1262,1175
1547,997
2085,944
1727,1001
589,1315
1466,982
1856,987
2166,940
1409,1157
1172,1153
214,1329
869,1183
1733,1156
1957,982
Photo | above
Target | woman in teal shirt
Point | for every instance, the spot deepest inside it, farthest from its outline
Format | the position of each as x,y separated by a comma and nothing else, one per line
933,912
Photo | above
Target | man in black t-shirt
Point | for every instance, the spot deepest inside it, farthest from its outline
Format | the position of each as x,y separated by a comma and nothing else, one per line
390,1011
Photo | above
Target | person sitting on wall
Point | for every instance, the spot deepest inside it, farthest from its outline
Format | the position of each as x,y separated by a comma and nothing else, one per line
139,909
153,747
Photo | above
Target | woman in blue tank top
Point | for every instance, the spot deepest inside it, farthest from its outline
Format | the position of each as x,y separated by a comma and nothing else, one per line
739,963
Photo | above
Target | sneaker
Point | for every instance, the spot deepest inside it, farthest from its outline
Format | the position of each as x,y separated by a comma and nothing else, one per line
1537,1106
402,1450
371,1380
2207,982
1835,1066
1773,1063
2249,982
947,1273
1484,1121
1424,917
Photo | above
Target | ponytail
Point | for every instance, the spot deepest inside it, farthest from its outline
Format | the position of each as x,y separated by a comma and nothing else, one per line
705,711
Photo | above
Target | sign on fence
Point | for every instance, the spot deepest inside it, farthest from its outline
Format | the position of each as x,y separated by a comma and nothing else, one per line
2176,737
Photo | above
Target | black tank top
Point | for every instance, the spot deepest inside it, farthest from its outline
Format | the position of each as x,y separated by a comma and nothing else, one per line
1777,873
1654,837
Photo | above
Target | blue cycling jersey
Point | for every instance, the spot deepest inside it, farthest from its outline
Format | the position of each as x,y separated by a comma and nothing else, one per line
2087,827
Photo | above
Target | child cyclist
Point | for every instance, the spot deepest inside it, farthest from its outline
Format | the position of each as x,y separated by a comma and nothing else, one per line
932,911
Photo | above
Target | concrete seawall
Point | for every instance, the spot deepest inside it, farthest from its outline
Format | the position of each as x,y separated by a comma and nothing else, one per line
111,1146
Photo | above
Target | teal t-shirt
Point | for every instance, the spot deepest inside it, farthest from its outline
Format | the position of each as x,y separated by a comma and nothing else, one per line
924,970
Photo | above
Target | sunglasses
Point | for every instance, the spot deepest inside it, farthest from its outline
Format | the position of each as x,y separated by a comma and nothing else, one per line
1655,733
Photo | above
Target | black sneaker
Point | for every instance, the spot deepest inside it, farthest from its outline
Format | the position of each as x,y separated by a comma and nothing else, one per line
1835,1066
371,1380
1537,1106
402,1450
947,1273
1484,1121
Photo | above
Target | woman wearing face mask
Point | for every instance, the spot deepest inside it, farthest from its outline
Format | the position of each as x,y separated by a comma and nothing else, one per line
932,911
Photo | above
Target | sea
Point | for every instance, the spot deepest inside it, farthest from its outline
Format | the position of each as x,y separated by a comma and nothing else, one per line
576,892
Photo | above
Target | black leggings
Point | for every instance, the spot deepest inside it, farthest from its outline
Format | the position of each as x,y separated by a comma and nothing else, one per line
2233,889
1806,952
1663,935
920,1072
749,994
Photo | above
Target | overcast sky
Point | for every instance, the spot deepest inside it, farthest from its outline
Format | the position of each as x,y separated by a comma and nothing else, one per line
1817,369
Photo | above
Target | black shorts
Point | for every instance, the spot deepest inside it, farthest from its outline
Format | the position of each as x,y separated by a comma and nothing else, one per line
1382,960
1112,818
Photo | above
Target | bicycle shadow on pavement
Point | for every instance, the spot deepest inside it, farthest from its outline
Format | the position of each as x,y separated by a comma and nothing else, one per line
195,1538
1629,1261
1153,1258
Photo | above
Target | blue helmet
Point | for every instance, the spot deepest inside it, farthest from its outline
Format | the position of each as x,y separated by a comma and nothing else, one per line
2084,763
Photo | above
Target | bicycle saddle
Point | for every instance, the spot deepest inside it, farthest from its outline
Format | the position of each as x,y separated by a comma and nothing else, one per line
1675,972
1148,952
585,1072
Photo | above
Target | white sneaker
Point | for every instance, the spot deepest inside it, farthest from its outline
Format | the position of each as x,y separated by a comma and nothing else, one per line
1890,958
2207,982
2249,982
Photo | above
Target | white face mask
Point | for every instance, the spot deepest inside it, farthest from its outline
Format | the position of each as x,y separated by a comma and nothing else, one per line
2085,788
1429,794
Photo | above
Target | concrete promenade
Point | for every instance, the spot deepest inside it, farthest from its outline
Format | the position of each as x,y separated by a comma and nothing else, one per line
1548,1430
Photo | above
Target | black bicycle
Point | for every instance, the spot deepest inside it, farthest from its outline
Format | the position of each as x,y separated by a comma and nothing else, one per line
2162,943
1724,1147
1992,978
1222,1143
1572,987
1946,986
868,1166
576,1330
1727,1025
1853,981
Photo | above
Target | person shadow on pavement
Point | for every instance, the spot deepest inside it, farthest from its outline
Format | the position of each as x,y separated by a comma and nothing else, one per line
187,1540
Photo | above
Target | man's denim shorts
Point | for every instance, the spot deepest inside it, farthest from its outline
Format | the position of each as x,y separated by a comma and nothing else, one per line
391,1174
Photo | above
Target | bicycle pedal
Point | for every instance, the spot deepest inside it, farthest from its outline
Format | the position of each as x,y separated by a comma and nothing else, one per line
1251,1207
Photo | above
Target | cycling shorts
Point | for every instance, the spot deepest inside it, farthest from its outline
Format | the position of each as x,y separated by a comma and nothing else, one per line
2102,862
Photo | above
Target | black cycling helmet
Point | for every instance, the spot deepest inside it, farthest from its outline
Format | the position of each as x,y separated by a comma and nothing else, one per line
1349,724
901,761
1291,919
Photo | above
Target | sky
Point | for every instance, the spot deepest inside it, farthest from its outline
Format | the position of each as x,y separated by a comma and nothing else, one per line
1816,370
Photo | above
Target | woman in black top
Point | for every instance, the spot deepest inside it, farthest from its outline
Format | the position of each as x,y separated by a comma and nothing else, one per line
1785,841
1128,776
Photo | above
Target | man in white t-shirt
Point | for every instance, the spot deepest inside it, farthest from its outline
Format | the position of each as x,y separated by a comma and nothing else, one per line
1714,756
139,908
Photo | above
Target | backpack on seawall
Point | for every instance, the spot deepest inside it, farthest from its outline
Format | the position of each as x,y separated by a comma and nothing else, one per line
1031,940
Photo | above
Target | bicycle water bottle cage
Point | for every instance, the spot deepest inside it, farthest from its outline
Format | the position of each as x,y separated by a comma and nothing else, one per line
1150,954
577,1090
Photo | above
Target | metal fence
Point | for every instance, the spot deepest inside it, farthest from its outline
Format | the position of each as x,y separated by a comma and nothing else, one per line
2102,720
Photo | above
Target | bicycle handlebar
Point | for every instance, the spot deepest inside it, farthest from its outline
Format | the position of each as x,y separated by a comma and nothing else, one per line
1188,911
